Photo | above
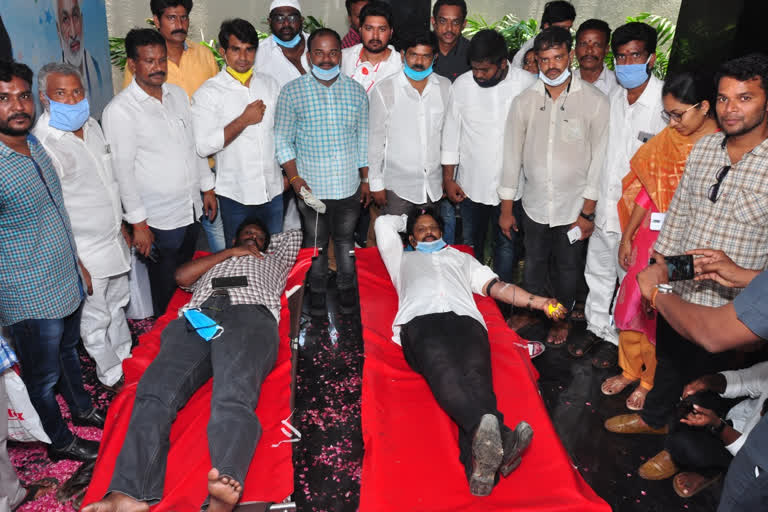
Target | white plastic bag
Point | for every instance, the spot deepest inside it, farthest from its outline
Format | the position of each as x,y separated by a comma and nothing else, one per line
23,422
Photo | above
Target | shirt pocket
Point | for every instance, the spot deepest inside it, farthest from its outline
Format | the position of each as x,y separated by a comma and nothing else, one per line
573,131
751,208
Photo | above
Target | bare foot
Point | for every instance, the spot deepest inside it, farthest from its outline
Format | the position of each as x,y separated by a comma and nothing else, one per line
616,384
117,502
523,319
225,492
688,484
558,333
636,401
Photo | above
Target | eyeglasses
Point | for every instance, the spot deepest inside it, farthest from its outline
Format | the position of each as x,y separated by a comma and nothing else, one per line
714,190
282,18
668,116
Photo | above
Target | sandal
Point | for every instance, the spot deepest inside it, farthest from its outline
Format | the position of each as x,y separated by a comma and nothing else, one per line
692,491
636,401
535,349
580,346
37,489
577,313
560,328
616,384
606,356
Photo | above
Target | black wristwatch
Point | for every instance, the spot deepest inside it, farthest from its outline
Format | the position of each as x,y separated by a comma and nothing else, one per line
716,431
589,216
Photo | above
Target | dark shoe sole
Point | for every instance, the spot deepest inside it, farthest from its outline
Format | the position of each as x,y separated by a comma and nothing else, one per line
487,452
523,435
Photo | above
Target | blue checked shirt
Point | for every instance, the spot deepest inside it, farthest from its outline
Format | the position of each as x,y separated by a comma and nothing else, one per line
38,258
325,129
7,357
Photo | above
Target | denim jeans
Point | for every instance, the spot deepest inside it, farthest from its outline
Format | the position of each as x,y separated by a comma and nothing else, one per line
234,213
214,232
448,213
174,248
47,351
239,360
338,221
475,218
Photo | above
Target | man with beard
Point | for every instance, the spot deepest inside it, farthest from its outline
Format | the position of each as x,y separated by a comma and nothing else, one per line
41,289
592,40
555,140
406,124
374,59
353,13
149,130
449,17
720,204
474,135
225,333
283,55
69,25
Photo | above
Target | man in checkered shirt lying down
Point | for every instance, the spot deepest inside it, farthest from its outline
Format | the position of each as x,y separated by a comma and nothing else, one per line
228,331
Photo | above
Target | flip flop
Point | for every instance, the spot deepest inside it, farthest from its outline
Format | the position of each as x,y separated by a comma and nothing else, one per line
33,490
584,344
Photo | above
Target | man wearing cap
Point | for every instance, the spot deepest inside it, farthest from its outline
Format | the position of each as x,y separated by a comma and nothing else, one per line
283,55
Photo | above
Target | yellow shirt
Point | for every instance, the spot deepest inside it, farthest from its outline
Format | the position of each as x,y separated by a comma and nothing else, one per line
197,65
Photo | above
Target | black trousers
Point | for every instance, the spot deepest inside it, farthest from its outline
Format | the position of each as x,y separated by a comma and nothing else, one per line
553,266
453,354
678,362
174,248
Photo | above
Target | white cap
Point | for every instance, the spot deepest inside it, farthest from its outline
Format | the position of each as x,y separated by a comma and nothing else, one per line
285,3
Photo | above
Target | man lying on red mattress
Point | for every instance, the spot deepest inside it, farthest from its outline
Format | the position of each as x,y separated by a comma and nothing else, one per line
444,338
228,331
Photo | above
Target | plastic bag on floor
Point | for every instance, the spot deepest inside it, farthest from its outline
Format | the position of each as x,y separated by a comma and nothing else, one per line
23,422
140,305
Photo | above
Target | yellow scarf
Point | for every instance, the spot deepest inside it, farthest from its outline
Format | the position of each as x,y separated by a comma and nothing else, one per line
240,77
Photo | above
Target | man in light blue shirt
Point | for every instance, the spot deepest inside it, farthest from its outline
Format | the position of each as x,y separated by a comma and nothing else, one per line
321,140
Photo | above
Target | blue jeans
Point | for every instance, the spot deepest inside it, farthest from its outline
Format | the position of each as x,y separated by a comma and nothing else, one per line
174,248
234,213
214,232
448,213
475,218
47,350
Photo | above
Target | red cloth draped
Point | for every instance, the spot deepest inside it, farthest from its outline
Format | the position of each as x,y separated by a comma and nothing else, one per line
411,451
270,476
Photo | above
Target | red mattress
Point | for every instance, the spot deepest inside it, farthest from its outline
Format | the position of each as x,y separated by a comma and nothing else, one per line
411,451
270,477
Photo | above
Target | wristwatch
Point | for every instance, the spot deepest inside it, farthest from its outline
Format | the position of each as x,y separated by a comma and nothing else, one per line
717,430
589,216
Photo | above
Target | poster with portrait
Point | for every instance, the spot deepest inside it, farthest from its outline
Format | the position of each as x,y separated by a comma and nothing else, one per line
37,32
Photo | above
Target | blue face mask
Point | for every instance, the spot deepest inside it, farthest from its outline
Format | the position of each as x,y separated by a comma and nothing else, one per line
632,75
204,325
288,44
68,118
433,246
559,80
326,74
417,76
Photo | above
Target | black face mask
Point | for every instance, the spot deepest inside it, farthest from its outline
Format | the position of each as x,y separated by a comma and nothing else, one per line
500,75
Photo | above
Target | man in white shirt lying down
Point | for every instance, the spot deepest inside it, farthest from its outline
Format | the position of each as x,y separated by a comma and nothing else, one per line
444,338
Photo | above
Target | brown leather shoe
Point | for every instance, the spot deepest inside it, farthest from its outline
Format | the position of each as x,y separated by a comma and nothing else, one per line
631,424
660,467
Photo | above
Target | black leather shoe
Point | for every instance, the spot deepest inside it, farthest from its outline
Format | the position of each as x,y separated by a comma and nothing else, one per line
94,418
80,449
515,443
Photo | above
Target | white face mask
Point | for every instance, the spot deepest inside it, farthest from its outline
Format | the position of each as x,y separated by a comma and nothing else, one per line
554,82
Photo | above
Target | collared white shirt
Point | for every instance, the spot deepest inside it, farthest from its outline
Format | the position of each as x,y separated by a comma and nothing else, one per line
365,73
246,169
153,153
473,135
91,195
270,60
560,146
606,82
438,282
630,127
751,382
405,131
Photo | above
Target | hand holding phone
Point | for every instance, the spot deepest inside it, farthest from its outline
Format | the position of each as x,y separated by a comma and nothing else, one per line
574,234
679,268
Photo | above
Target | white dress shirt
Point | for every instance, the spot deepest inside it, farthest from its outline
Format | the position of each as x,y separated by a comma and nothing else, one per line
630,127
365,73
751,382
438,282
246,169
155,162
559,148
606,82
405,132
270,60
473,135
91,195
